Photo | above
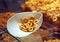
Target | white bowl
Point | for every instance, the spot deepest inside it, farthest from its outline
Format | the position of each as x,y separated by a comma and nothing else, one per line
14,22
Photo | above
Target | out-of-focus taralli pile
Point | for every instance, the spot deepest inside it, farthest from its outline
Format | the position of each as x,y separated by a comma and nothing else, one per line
56,40
4,17
3,23
44,6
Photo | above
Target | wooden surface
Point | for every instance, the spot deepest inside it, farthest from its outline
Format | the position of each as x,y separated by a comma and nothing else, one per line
35,37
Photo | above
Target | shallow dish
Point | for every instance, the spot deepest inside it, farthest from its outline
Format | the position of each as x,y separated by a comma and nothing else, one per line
14,22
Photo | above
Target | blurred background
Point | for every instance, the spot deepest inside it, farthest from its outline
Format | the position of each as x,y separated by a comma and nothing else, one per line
50,29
